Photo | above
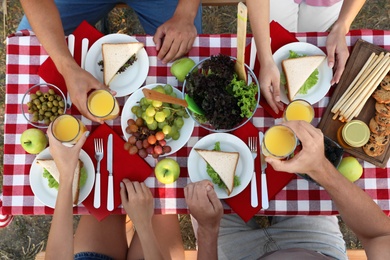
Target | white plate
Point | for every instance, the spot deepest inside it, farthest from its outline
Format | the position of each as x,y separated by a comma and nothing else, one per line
229,143
48,196
126,82
185,131
318,91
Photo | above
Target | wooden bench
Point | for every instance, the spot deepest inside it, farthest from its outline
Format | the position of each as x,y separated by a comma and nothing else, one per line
192,255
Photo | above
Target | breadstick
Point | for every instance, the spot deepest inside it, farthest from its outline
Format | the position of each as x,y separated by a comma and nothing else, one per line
372,86
366,77
351,88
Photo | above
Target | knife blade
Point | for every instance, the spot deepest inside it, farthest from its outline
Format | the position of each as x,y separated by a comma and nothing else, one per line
110,195
264,187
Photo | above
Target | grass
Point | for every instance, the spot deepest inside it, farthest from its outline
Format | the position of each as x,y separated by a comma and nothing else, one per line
27,235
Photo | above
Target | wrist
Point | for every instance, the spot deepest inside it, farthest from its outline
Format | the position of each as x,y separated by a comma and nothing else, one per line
67,66
340,27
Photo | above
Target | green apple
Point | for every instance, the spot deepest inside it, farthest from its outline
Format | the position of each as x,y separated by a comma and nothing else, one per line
33,140
350,168
167,171
181,67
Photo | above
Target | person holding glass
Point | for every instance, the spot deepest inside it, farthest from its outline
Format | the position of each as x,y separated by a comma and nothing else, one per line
174,32
300,16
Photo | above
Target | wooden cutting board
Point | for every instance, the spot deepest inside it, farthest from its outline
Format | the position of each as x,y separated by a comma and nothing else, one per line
361,52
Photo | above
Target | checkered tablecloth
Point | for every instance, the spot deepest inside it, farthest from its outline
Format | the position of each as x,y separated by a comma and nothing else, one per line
299,197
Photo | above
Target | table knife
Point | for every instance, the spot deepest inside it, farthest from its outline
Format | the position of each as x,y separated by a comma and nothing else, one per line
264,188
110,194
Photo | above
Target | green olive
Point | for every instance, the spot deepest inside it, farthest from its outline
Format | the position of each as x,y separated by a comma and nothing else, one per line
52,118
35,119
61,103
48,114
59,98
54,109
40,117
33,96
51,92
60,111
42,99
55,103
46,121
37,101
51,98
50,104
38,93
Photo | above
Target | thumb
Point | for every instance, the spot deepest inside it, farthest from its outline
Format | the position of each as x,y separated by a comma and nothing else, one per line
212,196
331,57
277,164
82,139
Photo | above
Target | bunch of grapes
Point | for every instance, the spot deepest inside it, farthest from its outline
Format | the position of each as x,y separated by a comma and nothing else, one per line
159,116
144,141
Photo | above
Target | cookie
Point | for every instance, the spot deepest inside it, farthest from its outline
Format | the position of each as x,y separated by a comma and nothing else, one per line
372,149
379,139
377,128
381,95
385,83
382,120
382,109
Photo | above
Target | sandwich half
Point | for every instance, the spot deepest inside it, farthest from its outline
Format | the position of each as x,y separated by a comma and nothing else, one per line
298,70
223,163
115,55
51,167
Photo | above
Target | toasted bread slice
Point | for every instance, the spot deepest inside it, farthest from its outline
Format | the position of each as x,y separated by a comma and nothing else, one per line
223,163
115,55
298,70
51,167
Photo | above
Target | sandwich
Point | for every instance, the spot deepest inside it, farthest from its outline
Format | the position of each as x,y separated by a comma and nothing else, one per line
115,55
298,70
223,163
51,167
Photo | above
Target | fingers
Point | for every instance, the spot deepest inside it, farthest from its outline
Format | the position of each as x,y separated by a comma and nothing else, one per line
341,61
213,198
158,38
267,94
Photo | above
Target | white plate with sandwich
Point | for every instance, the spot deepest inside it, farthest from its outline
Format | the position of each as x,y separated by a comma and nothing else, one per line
223,163
185,131
40,184
300,69
117,53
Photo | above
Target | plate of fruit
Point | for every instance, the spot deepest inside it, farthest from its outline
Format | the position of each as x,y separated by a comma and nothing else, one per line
152,127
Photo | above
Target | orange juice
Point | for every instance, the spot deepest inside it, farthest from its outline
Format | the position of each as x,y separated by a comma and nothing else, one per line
299,110
103,105
68,129
279,141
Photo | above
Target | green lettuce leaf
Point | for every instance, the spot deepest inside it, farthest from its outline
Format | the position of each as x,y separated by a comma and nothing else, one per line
52,183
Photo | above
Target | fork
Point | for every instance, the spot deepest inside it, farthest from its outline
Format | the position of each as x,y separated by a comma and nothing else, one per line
98,156
252,144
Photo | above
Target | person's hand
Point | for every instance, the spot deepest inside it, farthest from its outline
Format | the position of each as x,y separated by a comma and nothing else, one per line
204,204
269,80
337,50
79,82
312,141
65,157
174,38
138,202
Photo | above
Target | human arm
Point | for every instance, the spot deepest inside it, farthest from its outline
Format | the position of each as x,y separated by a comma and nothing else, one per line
45,20
357,209
207,209
60,241
175,37
269,77
336,45
138,202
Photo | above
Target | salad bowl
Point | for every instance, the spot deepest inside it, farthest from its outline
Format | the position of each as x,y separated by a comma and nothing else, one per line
227,102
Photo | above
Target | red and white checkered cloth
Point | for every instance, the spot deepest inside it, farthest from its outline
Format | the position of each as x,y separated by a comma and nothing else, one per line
299,197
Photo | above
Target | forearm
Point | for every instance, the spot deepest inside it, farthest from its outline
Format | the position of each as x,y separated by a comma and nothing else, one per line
258,12
357,209
348,12
45,20
207,244
150,246
60,241
187,10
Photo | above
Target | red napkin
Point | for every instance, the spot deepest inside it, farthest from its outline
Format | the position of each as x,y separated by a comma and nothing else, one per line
276,181
48,71
125,165
279,38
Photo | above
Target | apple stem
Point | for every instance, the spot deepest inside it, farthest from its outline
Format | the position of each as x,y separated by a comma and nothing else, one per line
28,142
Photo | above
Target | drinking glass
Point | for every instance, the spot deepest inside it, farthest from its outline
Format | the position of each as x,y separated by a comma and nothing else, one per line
102,104
279,142
68,129
299,109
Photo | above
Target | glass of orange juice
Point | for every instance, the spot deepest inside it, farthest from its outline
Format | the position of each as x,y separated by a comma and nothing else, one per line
299,109
279,142
68,129
102,104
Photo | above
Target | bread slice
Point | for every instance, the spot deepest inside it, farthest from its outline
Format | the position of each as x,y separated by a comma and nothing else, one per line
115,55
223,163
51,167
298,70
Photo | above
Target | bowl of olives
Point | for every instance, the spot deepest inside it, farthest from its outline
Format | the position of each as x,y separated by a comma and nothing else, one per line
42,103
